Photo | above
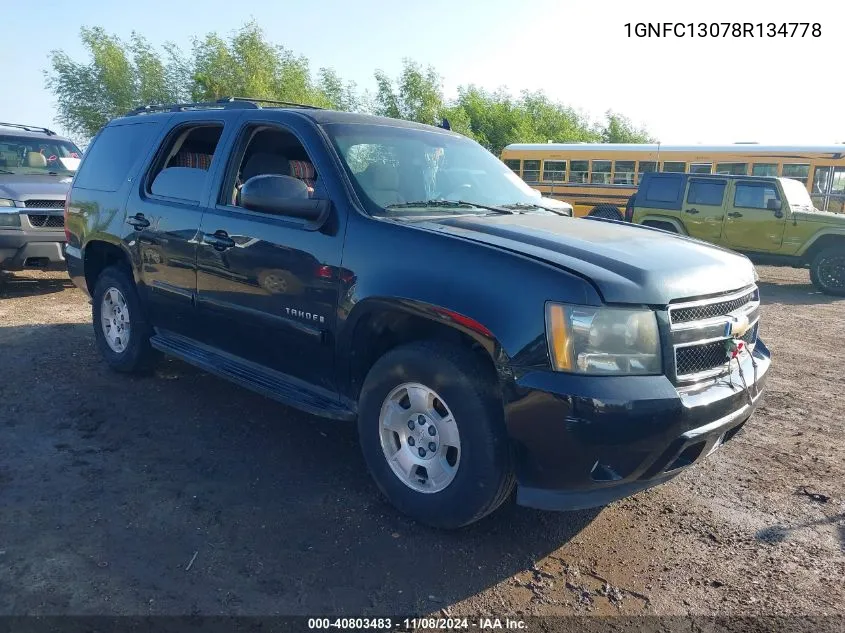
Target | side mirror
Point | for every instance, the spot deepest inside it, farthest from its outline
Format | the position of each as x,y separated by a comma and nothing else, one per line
774,205
284,195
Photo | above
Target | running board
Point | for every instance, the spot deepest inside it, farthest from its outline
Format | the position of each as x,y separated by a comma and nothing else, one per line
267,382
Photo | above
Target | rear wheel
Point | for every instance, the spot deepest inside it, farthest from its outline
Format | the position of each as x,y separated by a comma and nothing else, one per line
432,433
608,211
827,271
120,328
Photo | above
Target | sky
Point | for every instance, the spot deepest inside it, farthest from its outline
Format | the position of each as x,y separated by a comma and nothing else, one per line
682,89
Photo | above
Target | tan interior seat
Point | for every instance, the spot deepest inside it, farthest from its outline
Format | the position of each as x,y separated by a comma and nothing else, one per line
35,159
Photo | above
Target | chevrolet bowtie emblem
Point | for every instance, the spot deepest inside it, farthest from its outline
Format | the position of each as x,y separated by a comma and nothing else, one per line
737,326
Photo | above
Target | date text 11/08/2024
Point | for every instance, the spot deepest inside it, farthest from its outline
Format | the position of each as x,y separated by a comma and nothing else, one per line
415,624
723,29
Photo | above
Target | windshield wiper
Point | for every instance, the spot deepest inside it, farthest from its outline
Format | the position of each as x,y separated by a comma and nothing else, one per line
449,204
532,205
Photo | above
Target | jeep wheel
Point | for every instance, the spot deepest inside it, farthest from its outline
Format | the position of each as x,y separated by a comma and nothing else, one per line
827,271
432,433
605,211
121,331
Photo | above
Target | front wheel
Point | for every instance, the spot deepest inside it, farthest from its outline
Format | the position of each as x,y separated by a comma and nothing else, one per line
432,433
827,271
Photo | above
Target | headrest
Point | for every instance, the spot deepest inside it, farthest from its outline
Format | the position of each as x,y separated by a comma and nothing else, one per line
302,169
35,159
191,159
383,176
265,163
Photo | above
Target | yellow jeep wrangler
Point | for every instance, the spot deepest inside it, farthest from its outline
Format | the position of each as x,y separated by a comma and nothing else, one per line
772,220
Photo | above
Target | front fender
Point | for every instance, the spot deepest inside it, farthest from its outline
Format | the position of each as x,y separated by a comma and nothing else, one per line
834,232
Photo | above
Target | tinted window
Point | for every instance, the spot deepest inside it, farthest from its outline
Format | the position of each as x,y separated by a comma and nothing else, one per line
579,170
514,164
796,172
554,170
664,189
734,169
706,192
114,151
754,195
674,167
764,169
531,171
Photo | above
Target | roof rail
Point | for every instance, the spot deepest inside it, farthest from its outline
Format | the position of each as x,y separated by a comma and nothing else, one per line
226,103
30,128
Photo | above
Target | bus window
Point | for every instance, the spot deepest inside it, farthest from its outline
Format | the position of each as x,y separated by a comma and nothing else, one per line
645,166
579,170
514,164
797,172
732,169
700,168
601,172
624,172
554,170
531,171
764,169
674,167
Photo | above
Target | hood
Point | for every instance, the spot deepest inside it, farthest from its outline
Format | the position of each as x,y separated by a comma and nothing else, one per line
824,217
627,263
27,186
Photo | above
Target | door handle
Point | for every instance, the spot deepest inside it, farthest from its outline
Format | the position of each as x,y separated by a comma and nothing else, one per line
734,214
138,221
693,210
220,240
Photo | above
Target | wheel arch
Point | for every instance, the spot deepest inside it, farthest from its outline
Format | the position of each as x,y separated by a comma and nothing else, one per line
653,220
99,254
378,324
821,240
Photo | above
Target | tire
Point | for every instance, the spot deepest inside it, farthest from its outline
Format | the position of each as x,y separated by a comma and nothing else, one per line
608,211
827,271
482,474
136,355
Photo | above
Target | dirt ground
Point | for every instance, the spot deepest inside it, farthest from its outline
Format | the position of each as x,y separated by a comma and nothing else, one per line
183,494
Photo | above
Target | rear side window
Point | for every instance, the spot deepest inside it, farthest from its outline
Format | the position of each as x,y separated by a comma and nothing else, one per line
664,189
108,161
706,192
181,167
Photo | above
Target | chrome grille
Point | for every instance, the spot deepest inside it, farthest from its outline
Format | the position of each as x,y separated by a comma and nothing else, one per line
699,331
46,221
44,204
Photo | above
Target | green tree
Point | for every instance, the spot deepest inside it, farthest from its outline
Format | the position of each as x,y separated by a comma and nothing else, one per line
416,95
619,129
119,76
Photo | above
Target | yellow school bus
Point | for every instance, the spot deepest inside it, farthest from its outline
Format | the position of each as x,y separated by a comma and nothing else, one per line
598,178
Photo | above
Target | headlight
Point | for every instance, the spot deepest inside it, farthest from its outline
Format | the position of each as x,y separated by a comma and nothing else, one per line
603,341
756,274
9,219
5,202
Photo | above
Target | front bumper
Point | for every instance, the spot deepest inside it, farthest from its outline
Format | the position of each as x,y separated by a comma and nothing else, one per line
584,441
23,249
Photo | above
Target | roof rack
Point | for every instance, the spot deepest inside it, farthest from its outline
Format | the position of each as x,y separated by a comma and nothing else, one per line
30,128
226,103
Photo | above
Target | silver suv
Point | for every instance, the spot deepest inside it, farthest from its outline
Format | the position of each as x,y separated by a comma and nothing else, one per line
36,169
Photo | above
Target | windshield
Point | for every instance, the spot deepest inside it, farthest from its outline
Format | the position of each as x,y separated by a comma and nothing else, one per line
796,193
408,171
37,155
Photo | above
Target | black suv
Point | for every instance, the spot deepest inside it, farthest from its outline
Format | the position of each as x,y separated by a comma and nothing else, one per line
36,167
397,274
